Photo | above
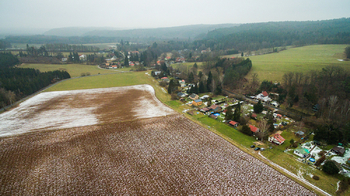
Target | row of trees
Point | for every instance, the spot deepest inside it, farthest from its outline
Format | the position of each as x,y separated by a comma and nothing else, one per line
16,83
53,47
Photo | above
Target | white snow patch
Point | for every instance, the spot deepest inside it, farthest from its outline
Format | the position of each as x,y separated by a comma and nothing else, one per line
343,159
24,118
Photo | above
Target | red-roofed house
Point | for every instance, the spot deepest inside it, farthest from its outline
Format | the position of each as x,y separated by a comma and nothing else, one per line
254,129
254,116
276,138
233,123
265,94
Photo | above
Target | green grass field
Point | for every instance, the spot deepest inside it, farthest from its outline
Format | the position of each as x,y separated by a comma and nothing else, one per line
102,81
302,59
73,69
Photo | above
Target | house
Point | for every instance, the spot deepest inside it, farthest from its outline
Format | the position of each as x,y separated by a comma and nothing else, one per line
64,59
82,57
165,79
197,102
193,96
276,138
263,96
204,110
204,97
254,129
213,116
233,123
181,94
156,73
301,152
338,150
279,116
182,83
299,133
180,60
215,108
254,116
274,103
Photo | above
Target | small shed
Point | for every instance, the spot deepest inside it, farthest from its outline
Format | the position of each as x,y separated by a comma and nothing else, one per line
197,102
233,123
193,96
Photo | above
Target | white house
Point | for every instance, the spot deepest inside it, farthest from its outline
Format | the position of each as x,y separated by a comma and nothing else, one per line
276,138
264,96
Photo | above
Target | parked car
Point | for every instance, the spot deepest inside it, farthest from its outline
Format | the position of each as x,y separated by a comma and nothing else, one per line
262,149
257,148
252,146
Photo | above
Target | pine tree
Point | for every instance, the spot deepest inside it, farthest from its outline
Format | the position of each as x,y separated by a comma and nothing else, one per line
237,113
209,80
201,87
126,61
258,108
229,114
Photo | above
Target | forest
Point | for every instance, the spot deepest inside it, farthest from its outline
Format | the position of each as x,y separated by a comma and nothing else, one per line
17,83
250,37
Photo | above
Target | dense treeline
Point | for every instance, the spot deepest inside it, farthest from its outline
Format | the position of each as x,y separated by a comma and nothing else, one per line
248,37
16,83
69,47
4,44
39,39
7,60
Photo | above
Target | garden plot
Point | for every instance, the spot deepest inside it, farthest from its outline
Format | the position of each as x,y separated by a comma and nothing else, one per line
157,156
66,109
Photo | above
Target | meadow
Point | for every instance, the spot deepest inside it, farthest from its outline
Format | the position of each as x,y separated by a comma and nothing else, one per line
74,70
301,59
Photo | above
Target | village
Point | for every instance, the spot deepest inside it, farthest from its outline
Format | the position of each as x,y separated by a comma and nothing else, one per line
288,136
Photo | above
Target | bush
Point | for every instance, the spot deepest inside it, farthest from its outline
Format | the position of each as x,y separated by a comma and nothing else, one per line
162,84
82,74
246,130
88,73
295,144
320,160
330,168
315,177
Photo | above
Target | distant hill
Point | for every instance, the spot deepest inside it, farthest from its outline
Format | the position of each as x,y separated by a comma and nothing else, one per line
273,34
181,32
75,31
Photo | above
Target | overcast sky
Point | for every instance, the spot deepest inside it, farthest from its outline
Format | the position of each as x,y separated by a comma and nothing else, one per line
49,14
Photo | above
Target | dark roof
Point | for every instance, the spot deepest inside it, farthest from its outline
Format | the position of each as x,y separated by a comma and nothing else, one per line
338,150
193,95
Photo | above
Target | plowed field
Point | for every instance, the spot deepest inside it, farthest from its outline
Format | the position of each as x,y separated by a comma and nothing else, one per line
133,155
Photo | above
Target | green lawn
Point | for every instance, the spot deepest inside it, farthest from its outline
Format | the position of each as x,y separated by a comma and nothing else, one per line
73,69
102,81
302,59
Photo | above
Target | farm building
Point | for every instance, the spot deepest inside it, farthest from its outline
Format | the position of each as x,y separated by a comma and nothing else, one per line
301,152
193,96
254,129
277,139
233,123
197,102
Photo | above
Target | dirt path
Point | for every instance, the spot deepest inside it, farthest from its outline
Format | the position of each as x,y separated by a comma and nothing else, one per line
295,176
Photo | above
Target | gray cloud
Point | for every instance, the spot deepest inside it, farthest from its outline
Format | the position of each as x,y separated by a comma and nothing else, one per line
154,13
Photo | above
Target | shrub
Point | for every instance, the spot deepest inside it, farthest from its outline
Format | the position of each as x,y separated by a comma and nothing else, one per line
162,84
246,130
330,168
88,73
82,74
295,144
320,160
315,177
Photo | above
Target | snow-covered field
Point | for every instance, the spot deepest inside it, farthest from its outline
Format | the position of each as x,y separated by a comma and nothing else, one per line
67,109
